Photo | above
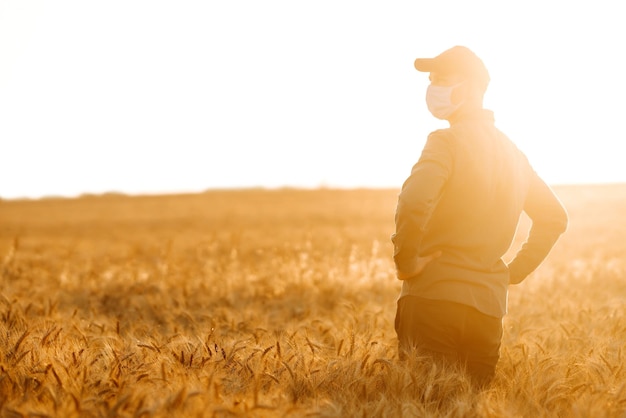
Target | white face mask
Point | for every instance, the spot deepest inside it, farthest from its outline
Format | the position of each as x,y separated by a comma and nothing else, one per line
438,99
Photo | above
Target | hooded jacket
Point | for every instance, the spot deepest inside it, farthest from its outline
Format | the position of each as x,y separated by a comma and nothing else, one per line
464,197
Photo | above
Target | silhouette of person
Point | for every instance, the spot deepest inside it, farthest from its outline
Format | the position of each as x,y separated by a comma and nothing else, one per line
456,216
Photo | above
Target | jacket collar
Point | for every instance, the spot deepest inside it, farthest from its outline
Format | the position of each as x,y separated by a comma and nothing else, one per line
477,114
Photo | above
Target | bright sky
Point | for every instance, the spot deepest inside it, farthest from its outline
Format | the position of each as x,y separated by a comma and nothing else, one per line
147,96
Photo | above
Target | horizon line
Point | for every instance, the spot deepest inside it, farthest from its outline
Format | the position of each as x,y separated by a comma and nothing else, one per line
113,193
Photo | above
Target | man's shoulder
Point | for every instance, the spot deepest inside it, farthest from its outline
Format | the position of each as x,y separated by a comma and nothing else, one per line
440,134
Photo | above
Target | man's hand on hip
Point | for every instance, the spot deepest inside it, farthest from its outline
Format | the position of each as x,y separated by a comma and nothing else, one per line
420,264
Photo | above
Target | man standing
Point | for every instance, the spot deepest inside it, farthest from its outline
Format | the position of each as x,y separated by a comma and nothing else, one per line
457,215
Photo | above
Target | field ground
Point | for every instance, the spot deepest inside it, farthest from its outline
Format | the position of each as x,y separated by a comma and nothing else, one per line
281,303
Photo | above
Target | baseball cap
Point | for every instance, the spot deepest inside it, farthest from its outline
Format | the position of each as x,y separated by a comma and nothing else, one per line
456,60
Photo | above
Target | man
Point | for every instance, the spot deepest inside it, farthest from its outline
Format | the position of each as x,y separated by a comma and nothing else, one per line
457,215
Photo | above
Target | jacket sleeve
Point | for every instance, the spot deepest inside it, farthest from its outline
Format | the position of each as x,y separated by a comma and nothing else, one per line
419,194
549,221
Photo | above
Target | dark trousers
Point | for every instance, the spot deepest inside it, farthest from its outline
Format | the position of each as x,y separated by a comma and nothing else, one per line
452,332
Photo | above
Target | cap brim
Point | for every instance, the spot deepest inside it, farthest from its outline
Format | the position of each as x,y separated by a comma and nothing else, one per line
425,65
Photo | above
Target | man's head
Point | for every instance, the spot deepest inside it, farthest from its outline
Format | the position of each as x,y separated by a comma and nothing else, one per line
457,77
459,62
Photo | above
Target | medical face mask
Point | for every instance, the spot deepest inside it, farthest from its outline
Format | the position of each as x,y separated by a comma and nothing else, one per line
439,101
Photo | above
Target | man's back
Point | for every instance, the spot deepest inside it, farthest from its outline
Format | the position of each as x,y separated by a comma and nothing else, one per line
476,183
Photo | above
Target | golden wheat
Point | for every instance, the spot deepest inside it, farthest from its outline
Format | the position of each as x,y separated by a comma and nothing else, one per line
281,303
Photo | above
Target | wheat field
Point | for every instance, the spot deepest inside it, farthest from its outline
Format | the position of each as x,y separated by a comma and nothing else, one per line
281,304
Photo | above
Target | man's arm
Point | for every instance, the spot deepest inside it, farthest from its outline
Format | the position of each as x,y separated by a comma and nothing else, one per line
549,221
419,194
